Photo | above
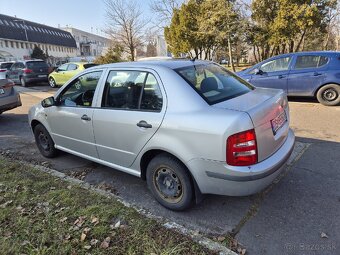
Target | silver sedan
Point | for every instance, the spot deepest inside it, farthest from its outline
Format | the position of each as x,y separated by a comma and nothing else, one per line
9,97
186,127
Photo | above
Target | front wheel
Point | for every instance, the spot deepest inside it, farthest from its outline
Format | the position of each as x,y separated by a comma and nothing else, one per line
44,142
52,82
170,182
329,95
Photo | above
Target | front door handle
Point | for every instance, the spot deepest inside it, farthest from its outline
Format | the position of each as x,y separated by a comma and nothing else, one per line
85,117
144,124
281,76
317,74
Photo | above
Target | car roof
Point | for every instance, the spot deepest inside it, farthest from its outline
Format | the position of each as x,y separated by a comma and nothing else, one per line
172,64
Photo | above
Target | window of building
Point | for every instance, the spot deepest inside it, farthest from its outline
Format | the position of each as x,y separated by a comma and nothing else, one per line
22,45
6,44
1,23
12,44
17,44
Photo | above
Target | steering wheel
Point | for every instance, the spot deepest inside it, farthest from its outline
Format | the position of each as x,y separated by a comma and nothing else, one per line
87,97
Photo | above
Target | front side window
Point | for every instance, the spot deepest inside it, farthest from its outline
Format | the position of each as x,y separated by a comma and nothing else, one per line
80,92
132,90
72,67
280,64
213,82
63,67
311,61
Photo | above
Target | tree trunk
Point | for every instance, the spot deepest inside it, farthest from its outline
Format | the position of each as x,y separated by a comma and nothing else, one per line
254,52
230,55
300,41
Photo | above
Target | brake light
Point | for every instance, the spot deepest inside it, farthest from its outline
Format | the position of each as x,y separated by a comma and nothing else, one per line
3,70
242,149
26,70
50,70
8,85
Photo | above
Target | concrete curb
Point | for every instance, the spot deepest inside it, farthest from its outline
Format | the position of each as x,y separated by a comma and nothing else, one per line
196,237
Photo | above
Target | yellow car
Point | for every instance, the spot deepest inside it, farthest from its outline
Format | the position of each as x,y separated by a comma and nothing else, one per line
65,72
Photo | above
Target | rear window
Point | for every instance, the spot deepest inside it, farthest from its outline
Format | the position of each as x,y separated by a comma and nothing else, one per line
36,64
213,82
6,65
89,65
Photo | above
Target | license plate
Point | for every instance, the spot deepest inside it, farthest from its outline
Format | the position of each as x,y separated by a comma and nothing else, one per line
42,76
278,122
2,91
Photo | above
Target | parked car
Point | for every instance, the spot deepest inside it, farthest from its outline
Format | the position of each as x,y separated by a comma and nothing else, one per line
9,97
305,74
186,127
4,67
66,71
28,71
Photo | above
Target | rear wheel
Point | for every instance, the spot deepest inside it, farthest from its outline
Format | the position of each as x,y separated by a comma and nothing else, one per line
329,95
44,142
169,182
23,82
52,82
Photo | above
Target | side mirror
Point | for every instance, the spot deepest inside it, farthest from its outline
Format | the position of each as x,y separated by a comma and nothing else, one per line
48,102
258,71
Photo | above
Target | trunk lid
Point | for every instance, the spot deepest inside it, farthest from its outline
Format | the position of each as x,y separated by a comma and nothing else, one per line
38,67
264,106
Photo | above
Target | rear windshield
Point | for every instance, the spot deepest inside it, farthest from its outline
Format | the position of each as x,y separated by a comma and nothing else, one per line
6,65
213,82
36,64
89,65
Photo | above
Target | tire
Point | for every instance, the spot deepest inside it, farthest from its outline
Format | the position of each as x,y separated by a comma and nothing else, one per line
329,95
44,142
170,183
23,82
52,82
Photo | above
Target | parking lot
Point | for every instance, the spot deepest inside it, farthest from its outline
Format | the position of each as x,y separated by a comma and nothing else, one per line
298,214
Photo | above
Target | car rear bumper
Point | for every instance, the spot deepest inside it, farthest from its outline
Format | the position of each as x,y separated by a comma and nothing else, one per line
10,102
215,177
35,79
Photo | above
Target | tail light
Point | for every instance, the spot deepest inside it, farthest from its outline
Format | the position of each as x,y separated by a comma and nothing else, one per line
3,70
8,85
26,70
242,149
50,70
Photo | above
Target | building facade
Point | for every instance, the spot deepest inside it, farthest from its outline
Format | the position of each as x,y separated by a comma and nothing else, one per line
18,38
88,44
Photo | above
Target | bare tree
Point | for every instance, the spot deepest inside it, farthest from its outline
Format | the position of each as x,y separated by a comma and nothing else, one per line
164,10
126,24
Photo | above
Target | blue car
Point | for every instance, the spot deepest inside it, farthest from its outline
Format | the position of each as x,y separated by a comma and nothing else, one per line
305,74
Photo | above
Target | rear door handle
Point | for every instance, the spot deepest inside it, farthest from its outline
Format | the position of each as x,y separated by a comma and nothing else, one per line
281,76
317,74
144,124
85,117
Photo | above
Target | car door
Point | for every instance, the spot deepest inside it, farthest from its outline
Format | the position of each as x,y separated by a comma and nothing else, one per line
272,74
71,119
307,73
59,74
14,72
131,111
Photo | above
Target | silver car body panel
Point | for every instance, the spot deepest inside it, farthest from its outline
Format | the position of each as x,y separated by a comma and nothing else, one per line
187,127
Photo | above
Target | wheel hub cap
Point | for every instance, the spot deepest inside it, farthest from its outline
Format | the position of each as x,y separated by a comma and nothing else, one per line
43,141
168,184
330,94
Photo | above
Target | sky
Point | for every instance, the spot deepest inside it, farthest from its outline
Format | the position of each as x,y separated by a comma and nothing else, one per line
87,15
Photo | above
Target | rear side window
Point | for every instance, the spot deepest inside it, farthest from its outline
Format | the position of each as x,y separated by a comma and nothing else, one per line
36,64
214,83
310,61
132,90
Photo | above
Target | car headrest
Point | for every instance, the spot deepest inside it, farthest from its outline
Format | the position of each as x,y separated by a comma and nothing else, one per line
209,84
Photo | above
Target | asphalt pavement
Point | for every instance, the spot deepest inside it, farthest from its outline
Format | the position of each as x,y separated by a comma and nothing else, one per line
298,214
